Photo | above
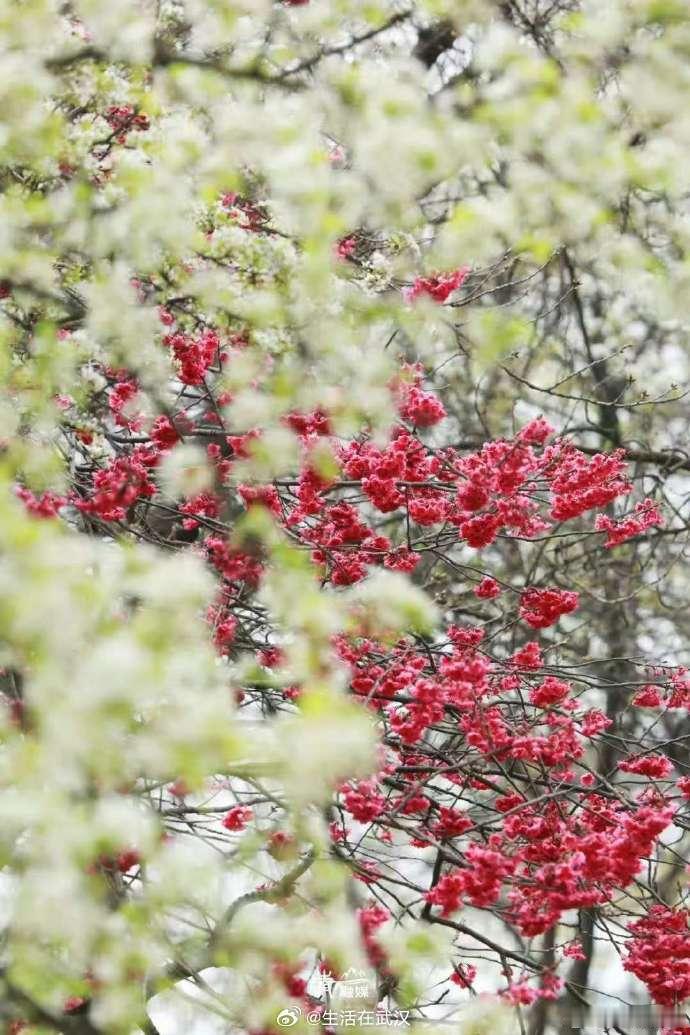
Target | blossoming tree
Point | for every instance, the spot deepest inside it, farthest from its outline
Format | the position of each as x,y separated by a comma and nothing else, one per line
343,512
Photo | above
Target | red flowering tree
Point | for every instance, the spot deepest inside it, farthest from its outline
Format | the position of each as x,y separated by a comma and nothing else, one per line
342,618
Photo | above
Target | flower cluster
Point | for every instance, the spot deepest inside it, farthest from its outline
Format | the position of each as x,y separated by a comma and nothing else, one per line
646,514
193,355
438,287
658,953
543,607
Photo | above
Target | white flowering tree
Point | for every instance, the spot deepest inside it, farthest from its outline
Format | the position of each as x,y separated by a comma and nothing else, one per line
343,348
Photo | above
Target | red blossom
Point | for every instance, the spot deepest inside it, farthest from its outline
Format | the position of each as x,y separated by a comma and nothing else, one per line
47,505
658,953
237,817
647,697
488,589
438,287
656,766
543,607
645,515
